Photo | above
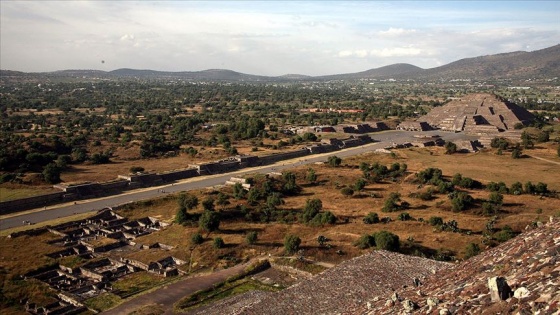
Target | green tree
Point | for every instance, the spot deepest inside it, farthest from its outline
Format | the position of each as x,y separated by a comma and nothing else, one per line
238,191
311,176
460,200
450,147
371,218
290,186
334,161
186,203
360,184
516,153
51,173
516,188
222,200
311,209
496,198
181,216
208,204
541,188
387,241
291,244
526,140
251,237
391,203
209,221
274,199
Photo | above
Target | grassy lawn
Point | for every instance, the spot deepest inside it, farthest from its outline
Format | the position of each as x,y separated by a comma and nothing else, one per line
103,301
137,282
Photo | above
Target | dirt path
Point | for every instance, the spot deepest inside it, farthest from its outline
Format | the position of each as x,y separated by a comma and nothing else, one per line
543,159
168,295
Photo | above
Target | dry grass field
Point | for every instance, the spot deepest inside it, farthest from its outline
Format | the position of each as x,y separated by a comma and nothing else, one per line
22,254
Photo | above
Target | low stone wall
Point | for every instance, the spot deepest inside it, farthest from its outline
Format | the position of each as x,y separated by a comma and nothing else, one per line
273,158
16,205
178,175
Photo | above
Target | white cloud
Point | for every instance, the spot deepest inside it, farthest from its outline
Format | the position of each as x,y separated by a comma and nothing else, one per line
396,32
270,38
127,37
396,52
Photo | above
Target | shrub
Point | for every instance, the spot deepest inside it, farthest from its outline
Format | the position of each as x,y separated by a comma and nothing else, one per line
489,209
500,143
347,191
371,218
387,241
209,221
181,216
404,216
334,161
197,238
291,243
472,250
516,188
496,198
251,237
499,187
450,147
51,173
365,241
504,235
311,209
321,219
390,204
360,184
430,175
219,242
435,221
460,201
425,195
541,188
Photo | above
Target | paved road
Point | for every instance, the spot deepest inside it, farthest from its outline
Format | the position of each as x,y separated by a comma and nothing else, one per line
83,206
168,295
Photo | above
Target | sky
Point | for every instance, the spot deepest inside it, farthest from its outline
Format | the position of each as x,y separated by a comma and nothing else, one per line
266,37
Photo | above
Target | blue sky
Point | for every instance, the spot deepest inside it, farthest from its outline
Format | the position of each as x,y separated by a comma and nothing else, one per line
267,37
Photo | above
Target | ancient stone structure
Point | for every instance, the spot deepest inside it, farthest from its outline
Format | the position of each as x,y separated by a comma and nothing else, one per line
479,114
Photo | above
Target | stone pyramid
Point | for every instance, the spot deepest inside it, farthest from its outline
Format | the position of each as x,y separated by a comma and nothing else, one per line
480,114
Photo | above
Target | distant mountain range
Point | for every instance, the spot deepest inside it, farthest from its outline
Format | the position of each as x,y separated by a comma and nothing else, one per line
515,65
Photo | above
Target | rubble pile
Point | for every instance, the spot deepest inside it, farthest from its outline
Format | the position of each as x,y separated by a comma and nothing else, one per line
520,276
342,288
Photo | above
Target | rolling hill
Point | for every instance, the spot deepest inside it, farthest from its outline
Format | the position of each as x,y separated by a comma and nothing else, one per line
544,63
